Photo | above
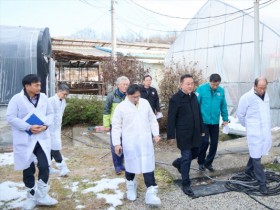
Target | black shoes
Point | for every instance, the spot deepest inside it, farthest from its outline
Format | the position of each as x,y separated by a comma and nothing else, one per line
210,168
188,191
201,167
263,189
177,164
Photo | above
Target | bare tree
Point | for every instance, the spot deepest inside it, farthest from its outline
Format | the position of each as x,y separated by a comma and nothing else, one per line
123,66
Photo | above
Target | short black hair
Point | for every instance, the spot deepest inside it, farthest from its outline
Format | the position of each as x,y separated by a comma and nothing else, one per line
257,81
30,78
185,76
147,75
215,78
132,89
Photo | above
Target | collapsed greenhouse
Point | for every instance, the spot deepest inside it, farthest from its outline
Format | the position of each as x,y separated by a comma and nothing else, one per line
224,44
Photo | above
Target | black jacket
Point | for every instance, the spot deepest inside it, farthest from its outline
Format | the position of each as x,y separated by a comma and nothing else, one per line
152,96
184,120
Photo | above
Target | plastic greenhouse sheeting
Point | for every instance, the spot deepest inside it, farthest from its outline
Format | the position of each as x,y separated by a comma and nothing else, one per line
225,45
22,52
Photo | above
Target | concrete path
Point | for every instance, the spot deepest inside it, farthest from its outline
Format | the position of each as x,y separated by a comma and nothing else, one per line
232,156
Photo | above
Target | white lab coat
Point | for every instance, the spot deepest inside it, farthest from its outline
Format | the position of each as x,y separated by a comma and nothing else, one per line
23,144
254,114
55,129
135,125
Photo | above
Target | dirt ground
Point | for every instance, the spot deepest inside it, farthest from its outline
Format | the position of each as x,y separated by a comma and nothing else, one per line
88,162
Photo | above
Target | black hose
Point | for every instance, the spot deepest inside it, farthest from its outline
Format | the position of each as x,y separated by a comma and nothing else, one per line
241,182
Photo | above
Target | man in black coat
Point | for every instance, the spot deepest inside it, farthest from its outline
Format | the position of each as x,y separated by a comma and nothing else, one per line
186,125
150,93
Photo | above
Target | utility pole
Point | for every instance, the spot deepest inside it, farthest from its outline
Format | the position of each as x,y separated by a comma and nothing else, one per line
113,34
257,67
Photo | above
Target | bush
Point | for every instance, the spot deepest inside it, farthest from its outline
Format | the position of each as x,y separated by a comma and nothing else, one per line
83,111
170,82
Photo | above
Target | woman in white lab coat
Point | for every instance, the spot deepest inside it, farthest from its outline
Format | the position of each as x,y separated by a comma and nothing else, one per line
58,104
135,122
254,113
37,142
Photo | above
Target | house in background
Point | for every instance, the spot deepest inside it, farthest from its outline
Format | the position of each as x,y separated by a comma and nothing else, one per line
77,61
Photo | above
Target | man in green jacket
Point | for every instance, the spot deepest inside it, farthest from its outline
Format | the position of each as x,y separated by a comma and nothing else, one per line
112,100
211,98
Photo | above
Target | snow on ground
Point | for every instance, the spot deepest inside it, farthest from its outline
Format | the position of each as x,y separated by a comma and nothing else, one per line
6,158
17,193
80,207
73,186
108,184
12,195
275,129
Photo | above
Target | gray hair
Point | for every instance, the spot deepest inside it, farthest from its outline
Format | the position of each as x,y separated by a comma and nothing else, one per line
63,87
118,81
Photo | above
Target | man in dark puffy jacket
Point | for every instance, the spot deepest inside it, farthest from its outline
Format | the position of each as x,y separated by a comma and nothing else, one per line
150,93
112,100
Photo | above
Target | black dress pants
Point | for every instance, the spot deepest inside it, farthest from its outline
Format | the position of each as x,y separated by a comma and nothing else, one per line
254,165
43,166
149,178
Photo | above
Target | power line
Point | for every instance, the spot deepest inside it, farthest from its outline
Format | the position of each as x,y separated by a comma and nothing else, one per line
92,5
149,15
196,29
102,15
188,18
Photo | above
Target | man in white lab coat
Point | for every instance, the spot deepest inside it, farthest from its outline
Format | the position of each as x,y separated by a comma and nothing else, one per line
254,113
58,104
135,121
31,138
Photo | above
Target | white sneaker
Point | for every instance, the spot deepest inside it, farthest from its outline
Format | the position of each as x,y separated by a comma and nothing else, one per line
63,168
151,196
131,187
30,202
41,194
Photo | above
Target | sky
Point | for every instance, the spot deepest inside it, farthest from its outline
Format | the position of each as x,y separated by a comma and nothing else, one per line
65,17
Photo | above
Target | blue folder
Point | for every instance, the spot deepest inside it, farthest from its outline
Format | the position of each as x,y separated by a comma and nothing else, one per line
33,120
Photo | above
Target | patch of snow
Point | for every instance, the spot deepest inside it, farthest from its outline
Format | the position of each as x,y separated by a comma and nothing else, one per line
275,129
111,184
114,199
12,195
85,180
111,208
105,184
6,159
80,207
75,186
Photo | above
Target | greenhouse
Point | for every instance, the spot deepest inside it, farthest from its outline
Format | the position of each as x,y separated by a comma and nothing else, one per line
23,51
224,44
